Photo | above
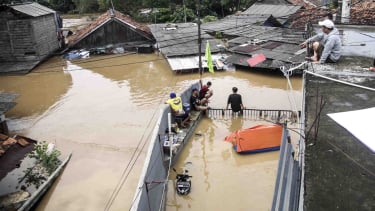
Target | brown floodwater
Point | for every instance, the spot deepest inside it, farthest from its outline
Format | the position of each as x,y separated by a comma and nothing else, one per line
101,108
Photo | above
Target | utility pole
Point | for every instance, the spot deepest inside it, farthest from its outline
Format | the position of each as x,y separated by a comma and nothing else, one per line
199,38
345,14
183,2
339,11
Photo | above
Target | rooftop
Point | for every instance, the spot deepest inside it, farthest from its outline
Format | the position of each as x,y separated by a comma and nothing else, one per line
181,39
339,169
32,9
7,102
104,18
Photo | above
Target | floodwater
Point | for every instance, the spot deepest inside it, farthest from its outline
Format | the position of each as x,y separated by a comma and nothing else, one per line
103,110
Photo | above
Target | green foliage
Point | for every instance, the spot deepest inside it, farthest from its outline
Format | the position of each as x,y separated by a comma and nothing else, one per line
219,35
209,18
50,161
87,6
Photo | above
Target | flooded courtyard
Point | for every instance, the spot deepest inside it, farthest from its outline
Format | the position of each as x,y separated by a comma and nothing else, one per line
103,110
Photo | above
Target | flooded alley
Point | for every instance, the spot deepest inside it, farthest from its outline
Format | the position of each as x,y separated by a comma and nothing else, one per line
103,110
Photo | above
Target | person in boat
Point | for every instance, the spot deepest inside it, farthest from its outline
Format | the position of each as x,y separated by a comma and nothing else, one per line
326,45
196,103
177,109
235,101
205,93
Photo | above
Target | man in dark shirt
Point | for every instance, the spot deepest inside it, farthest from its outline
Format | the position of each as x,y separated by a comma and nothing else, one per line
195,102
235,101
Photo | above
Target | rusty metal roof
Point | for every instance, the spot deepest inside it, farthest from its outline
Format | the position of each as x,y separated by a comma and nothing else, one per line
32,9
106,17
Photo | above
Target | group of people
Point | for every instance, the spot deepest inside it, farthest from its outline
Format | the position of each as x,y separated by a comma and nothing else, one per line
199,100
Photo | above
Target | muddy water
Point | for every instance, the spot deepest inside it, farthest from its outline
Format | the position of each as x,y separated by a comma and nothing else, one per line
100,109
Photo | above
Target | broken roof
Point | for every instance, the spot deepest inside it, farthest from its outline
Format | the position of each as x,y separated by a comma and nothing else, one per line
279,11
32,9
106,17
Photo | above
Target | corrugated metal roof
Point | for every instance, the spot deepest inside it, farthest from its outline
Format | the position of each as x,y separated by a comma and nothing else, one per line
32,9
6,101
276,10
181,39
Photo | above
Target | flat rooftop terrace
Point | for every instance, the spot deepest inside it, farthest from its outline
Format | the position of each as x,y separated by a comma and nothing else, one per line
339,169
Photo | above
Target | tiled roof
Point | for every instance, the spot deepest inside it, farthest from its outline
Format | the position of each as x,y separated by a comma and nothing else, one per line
101,20
363,13
313,15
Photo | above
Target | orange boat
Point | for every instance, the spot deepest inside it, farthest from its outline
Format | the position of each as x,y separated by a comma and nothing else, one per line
260,138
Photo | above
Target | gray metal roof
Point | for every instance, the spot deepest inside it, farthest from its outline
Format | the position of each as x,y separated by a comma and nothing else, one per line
32,9
280,11
181,39
6,102
234,21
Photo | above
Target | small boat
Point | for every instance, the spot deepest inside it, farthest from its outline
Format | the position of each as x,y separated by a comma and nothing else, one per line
27,169
260,138
164,150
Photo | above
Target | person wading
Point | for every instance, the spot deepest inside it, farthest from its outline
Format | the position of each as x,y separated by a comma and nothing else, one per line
235,101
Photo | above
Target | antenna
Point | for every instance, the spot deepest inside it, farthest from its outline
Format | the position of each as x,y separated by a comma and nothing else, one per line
113,8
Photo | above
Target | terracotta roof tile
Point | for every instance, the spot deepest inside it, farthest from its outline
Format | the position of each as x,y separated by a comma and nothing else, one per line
363,13
82,33
302,17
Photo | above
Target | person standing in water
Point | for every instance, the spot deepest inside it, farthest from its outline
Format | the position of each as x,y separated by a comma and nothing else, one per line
235,101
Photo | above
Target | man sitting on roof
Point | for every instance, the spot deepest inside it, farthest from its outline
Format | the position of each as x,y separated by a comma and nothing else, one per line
176,107
326,45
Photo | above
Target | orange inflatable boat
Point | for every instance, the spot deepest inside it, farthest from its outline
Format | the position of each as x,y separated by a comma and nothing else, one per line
259,138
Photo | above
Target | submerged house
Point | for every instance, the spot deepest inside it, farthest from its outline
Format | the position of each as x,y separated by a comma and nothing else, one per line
260,32
28,34
115,29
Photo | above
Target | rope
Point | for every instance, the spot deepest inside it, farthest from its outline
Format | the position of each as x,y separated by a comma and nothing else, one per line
287,74
343,82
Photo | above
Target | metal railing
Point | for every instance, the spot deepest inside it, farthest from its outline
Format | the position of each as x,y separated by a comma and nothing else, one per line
255,114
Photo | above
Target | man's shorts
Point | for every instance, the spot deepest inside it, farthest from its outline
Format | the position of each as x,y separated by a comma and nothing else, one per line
320,51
